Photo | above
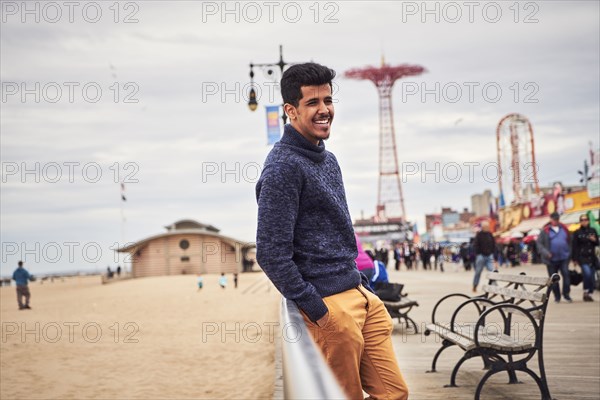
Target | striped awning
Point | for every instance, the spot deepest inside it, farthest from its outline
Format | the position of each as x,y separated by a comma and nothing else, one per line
529,224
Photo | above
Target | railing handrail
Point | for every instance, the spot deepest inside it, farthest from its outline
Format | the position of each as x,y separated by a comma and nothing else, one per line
306,375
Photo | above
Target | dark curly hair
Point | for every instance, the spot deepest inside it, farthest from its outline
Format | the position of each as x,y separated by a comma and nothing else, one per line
298,75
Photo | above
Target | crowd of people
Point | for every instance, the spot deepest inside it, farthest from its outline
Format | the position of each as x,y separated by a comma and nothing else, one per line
556,247
426,255
433,255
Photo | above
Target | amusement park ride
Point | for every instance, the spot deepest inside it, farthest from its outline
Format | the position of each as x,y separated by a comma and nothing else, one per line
522,204
390,213
516,158
390,199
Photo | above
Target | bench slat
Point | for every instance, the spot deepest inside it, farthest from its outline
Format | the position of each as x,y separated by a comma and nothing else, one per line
517,294
503,343
445,333
403,303
536,314
491,340
524,279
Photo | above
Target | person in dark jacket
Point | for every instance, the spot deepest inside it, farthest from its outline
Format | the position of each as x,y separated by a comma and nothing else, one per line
535,256
426,256
412,257
554,246
397,256
585,240
464,255
512,253
484,246
22,278
384,256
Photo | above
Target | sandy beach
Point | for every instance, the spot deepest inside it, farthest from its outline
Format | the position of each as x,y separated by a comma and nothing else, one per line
152,337
160,338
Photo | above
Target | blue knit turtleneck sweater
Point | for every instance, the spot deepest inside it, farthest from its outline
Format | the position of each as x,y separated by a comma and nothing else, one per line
305,241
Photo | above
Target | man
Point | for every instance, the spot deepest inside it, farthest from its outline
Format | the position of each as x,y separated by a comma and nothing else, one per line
426,255
407,256
437,252
397,256
223,280
383,255
554,244
200,282
306,245
22,278
512,252
464,255
585,240
483,246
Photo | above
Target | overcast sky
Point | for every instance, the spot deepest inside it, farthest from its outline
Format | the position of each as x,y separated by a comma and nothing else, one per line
171,114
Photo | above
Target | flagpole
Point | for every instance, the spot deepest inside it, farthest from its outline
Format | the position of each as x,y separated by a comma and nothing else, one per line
122,222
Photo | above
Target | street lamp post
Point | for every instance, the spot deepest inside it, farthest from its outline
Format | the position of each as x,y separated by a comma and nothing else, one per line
252,103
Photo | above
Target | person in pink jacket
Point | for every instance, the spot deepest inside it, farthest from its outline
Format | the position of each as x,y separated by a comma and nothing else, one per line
363,261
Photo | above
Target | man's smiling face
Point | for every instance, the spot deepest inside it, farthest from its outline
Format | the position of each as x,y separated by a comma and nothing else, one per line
314,114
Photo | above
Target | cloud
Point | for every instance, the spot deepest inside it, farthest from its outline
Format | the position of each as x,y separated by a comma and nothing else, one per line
188,72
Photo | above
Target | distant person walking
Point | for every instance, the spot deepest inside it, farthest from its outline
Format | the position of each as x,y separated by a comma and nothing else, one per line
22,278
437,256
464,255
200,281
397,256
585,240
513,253
500,255
483,246
407,250
554,246
235,279
426,256
223,280
383,255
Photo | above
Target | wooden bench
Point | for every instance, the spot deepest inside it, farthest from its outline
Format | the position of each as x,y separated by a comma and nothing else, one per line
500,349
399,309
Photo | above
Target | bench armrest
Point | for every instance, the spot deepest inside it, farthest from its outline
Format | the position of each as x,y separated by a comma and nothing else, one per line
475,301
442,300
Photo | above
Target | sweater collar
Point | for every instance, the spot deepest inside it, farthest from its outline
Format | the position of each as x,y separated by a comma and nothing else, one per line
301,145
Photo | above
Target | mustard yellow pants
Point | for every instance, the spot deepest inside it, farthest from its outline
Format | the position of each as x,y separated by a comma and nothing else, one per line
356,343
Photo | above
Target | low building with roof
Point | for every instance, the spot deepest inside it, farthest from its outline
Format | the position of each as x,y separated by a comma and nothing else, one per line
189,247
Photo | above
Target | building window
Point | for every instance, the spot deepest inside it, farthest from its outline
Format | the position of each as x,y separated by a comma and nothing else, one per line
184,244
185,259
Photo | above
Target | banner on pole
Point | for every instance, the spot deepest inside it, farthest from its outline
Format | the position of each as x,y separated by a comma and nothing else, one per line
273,129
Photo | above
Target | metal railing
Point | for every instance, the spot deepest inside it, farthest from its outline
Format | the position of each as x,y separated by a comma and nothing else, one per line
305,373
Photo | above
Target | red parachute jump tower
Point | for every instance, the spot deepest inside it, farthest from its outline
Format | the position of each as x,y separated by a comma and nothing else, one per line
390,199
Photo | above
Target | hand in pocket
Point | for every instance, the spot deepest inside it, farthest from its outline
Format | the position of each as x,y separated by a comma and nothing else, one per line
322,322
